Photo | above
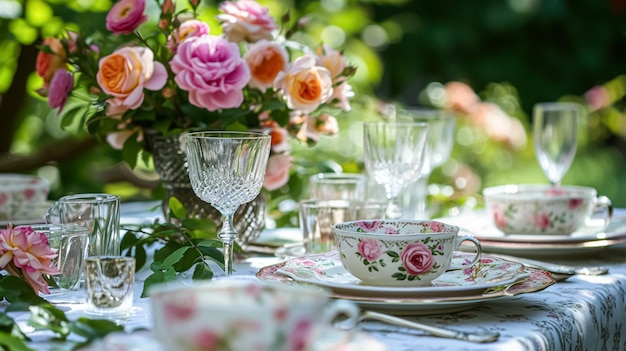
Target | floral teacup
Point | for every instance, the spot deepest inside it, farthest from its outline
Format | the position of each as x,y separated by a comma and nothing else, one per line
22,197
399,252
243,315
544,209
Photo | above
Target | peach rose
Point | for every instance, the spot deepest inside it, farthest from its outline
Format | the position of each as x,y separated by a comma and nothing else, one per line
277,172
460,97
49,63
305,85
265,60
331,59
126,72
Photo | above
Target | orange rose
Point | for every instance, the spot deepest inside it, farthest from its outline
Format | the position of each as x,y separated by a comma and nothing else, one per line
265,60
49,63
305,86
126,72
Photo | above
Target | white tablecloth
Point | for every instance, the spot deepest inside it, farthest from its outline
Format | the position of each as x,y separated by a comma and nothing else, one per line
582,313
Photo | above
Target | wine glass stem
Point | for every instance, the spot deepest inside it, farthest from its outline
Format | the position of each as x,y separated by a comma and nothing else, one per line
393,208
228,234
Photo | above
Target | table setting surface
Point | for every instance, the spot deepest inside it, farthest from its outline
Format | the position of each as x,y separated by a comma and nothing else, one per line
579,312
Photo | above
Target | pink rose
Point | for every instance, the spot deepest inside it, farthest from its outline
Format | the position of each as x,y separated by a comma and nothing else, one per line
368,225
246,20
305,85
26,253
542,221
417,259
437,227
211,69
299,336
60,86
206,340
574,203
498,217
177,311
188,29
125,16
126,72
277,171
370,249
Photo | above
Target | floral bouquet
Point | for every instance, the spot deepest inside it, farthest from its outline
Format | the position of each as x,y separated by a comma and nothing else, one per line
177,74
25,253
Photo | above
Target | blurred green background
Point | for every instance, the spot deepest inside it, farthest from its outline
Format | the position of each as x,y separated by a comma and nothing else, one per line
512,53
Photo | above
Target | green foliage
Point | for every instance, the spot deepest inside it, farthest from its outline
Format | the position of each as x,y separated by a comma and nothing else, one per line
181,247
43,317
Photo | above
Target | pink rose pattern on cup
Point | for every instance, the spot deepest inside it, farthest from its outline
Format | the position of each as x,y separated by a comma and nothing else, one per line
544,219
417,258
185,309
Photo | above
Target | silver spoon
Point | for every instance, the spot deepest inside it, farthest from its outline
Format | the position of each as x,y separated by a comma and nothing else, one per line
478,337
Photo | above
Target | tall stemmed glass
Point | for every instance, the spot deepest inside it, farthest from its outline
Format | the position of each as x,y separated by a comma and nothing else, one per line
555,126
441,128
226,169
393,155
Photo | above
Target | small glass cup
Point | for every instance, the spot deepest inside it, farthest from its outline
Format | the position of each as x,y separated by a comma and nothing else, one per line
109,281
338,186
317,218
100,213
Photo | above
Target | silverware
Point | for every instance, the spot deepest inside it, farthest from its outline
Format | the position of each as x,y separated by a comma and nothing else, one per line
558,268
482,336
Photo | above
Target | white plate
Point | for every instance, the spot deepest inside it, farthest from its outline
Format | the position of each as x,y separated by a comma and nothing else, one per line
589,240
535,280
326,270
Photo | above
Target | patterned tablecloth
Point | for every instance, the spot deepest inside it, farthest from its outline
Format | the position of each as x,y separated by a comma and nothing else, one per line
581,313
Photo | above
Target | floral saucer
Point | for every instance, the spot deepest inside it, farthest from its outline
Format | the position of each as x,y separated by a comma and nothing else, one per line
534,280
326,270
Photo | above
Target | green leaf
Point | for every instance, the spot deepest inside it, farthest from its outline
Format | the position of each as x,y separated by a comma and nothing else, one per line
13,343
202,272
48,317
157,278
131,149
392,254
177,208
20,294
175,257
94,328
399,276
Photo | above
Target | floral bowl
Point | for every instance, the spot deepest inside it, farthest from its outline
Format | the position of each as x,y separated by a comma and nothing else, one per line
399,252
544,209
22,197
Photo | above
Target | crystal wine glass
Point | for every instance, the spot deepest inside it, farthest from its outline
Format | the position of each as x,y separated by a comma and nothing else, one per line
555,128
393,156
441,128
226,169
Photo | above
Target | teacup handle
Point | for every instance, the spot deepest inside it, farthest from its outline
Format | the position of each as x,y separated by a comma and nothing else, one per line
479,252
604,205
342,308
